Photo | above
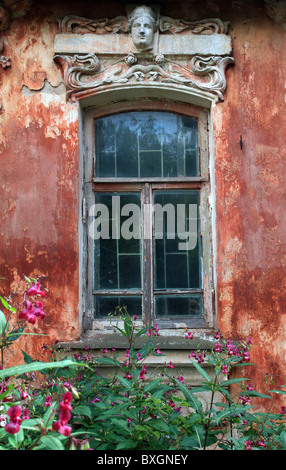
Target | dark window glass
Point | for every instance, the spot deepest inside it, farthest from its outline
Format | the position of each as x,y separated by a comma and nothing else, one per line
146,144
117,258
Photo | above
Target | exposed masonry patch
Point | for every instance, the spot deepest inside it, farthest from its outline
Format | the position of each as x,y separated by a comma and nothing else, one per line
46,88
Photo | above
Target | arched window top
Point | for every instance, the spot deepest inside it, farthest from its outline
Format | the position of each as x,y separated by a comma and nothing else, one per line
143,144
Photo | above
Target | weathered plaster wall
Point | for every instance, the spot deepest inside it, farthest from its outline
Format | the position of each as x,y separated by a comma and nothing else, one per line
39,175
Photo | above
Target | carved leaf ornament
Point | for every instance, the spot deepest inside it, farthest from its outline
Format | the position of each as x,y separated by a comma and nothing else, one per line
170,51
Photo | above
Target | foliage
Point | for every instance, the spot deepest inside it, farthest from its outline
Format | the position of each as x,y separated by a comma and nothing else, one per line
74,404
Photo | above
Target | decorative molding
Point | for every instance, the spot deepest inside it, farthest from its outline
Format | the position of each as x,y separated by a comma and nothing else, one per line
167,25
99,54
84,72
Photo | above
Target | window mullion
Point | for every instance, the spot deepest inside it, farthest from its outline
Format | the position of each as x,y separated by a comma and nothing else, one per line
147,254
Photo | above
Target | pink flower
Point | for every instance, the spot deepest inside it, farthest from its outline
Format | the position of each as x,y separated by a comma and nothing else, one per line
26,413
250,387
216,334
170,365
14,424
64,415
261,443
244,399
246,356
139,358
24,395
48,401
38,310
248,445
95,400
189,335
128,376
36,290
224,370
217,348
283,410
24,314
200,358
158,351
192,354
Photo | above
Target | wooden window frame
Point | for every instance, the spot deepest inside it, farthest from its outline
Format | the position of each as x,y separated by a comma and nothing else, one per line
147,186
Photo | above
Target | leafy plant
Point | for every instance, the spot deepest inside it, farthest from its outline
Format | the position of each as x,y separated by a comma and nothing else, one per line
77,404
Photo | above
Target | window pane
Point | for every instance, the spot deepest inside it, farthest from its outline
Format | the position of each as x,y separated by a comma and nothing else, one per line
146,144
178,305
177,242
103,305
117,240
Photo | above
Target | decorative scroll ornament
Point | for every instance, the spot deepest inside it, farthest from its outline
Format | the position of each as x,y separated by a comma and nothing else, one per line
143,48
167,25
83,72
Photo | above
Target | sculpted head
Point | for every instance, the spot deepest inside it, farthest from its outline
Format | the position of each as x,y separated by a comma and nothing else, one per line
143,25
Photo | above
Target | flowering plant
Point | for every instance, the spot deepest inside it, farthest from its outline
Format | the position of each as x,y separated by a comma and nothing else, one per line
118,400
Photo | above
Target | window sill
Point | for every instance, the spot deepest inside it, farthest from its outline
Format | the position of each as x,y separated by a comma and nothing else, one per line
169,339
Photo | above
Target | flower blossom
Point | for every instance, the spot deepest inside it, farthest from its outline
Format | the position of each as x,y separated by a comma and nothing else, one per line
48,401
31,313
36,290
217,348
248,445
14,414
224,369
64,415
189,335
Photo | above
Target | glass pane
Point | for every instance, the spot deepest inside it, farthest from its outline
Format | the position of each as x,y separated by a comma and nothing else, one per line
146,144
178,305
116,231
103,305
177,240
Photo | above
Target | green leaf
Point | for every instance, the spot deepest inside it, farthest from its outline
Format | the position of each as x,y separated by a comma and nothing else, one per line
127,444
283,439
16,439
7,392
83,411
3,323
36,366
189,396
52,443
31,424
27,358
151,385
225,383
107,360
159,424
125,382
202,372
6,305
121,423
128,327
257,394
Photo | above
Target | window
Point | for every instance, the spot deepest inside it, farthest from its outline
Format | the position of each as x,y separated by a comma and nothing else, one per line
148,231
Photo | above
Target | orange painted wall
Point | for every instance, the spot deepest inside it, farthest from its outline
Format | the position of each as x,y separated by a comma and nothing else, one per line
39,149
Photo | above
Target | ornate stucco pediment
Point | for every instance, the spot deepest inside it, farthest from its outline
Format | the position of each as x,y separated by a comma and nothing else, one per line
143,47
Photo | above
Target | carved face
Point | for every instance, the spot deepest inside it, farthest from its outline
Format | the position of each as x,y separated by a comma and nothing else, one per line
142,31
